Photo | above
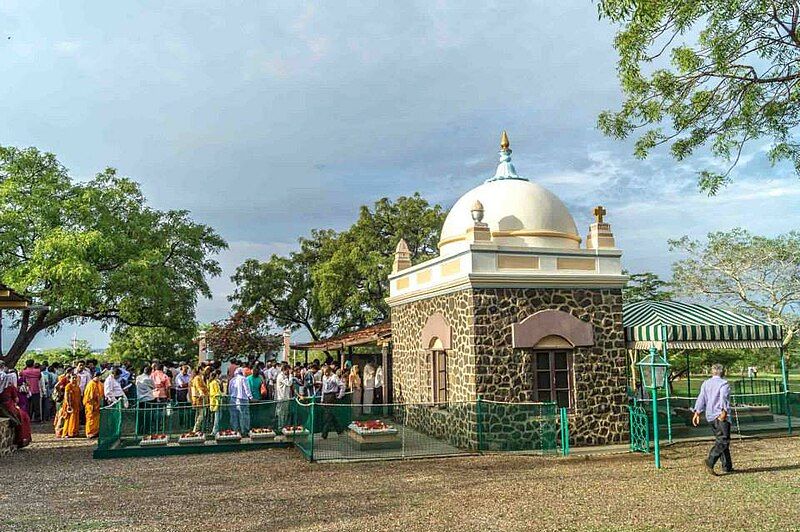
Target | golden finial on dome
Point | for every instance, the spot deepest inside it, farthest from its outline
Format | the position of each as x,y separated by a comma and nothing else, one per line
504,144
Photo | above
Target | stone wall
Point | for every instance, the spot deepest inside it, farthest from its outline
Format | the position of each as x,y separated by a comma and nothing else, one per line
6,436
506,374
483,362
412,367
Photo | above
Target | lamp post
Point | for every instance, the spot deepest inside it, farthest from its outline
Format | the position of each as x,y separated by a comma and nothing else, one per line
653,370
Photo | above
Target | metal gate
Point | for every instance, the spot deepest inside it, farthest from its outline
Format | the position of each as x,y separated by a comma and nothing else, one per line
640,429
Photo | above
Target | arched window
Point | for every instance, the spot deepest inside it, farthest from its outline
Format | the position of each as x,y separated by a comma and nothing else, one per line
553,377
436,338
438,371
552,337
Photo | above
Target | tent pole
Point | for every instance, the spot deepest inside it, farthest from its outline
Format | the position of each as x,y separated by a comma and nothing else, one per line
688,375
786,391
669,383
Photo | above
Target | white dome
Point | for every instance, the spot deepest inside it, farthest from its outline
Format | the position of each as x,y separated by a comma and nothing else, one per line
518,213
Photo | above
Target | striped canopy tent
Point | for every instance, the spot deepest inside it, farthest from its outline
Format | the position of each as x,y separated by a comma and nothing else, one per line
692,326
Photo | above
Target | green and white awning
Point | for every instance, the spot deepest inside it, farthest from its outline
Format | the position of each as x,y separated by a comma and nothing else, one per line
690,326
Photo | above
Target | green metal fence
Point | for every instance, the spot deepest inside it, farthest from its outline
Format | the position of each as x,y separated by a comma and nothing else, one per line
325,430
520,426
343,431
755,410
127,428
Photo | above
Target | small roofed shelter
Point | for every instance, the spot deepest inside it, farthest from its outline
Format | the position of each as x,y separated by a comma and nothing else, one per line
341,347
694,326
678,325
10,300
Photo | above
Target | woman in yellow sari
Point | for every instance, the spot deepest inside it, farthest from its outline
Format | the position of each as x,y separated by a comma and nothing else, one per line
92,401
68,421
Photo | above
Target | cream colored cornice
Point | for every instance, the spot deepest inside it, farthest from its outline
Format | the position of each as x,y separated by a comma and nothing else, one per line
478,280
511,234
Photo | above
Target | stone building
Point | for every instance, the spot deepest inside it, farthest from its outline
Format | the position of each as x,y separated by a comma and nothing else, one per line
513,309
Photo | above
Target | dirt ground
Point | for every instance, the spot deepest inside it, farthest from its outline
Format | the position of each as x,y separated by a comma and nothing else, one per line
57,486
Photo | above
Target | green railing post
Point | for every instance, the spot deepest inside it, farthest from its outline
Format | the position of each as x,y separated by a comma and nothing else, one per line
479,421
564,431
656,443
136,423
311,429
785,377
688,376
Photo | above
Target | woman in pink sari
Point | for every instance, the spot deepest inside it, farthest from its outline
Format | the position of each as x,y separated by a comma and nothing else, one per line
9,408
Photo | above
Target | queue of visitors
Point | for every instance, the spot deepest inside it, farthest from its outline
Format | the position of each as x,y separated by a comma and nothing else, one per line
72,396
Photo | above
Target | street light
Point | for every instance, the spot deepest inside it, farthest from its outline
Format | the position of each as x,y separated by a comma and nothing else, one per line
653,370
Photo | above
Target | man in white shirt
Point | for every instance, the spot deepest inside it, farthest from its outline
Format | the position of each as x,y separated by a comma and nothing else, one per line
332,390
182,380
145,386
144,396
112,389
272,377
283,393
240,396
379,385
83,374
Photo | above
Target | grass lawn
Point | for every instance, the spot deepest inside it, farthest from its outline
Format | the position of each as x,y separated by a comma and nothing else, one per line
53,486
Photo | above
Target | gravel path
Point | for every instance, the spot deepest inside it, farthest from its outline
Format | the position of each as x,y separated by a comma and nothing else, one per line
277,489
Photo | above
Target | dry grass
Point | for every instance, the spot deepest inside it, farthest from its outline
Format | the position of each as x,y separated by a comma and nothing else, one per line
59,487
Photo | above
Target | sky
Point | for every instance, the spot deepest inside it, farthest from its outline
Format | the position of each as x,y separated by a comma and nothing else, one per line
269,119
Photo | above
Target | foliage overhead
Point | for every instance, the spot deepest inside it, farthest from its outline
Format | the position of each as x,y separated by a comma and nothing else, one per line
715,73
756,275
141,345
64,355
646,286
338,282
241,336
94,250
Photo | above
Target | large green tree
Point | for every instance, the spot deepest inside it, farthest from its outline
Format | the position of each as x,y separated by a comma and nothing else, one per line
337,281
353,281
757,275
95,250
714,73
645,286
281,291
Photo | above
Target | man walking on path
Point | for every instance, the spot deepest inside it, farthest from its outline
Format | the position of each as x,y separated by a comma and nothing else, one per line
714,400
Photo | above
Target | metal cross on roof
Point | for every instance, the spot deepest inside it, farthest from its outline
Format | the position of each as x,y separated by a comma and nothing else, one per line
599,212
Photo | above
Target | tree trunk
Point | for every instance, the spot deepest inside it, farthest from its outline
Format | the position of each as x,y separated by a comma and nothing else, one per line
27,332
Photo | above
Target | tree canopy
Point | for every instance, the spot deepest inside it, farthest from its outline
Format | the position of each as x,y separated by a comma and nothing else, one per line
95,250
337,281
645,286
141,345
241,335
757,275
714,73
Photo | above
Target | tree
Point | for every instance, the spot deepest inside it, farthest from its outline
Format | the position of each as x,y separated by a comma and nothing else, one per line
281,289
94,250
82,350
141,345
241,335
645,286
735,80
756,275
338,281
353,282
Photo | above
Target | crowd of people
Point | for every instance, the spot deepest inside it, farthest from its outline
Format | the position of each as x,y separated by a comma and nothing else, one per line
71,396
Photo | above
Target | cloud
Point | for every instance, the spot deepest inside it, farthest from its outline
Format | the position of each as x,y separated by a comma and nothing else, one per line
67,47
221,287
